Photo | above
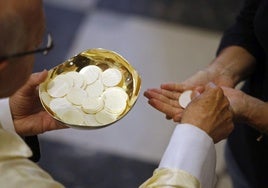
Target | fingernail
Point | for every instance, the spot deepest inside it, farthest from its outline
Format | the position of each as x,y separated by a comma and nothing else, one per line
197,93
211,84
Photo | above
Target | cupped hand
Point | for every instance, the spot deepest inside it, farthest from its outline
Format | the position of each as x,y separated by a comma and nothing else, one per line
211,112
166,101
27,112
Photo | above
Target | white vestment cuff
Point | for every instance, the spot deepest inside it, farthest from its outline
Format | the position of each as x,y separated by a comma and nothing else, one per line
5,115
192,150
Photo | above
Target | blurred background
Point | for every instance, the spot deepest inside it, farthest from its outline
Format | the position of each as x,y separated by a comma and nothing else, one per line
166,41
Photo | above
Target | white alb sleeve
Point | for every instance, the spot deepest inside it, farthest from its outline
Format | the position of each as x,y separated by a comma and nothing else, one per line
5,115
190,149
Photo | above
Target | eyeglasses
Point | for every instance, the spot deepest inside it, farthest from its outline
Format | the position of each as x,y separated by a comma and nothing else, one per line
44,50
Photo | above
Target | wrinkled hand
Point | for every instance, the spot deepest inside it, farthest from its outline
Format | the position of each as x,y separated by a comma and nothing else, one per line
165,99
240,103
210,112
28,114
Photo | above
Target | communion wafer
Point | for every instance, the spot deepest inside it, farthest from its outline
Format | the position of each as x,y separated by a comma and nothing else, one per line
185,98
92,105
90,119
72,116
111,77
115,100
95,89
78,79
91,73
82,99
58,105
76,96
45,97
59,86
104,117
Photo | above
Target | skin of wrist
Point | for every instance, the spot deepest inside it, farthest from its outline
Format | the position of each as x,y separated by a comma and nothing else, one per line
257,116
221,75
234,63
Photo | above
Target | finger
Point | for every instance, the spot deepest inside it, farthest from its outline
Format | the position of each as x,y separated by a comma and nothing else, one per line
194,94
210,85
211,90
52,124
168,98
34,80
173,87
149,93
199,89
38,78
154,94
177,117
168,117
169,110
169,94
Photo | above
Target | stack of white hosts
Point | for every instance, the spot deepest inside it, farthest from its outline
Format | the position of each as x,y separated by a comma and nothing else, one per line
90,97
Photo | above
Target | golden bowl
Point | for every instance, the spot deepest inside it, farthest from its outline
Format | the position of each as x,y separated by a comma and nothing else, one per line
104,59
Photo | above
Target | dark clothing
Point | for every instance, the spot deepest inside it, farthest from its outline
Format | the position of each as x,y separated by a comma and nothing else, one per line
250,31
33,143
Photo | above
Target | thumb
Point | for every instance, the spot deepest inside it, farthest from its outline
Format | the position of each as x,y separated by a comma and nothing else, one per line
197,91
37,78
32,83
210,86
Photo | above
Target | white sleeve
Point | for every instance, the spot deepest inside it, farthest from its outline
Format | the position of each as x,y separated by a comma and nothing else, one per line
5,115
190,149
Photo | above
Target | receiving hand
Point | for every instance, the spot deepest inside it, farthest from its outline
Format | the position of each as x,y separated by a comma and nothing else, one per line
28,114
211,112
165,99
